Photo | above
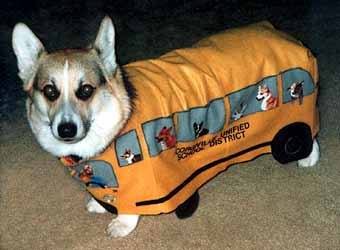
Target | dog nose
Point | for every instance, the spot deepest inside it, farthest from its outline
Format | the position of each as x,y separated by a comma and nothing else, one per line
67,130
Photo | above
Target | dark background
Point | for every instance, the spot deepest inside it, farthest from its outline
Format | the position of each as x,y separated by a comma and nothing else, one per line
144,28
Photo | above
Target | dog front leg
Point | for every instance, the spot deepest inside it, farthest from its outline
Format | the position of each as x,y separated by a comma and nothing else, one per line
122,225
93,206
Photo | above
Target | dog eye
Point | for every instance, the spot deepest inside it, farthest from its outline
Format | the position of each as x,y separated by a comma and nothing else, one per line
51,92
85,92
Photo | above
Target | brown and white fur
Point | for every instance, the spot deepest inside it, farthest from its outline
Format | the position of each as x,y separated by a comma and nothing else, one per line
130,157
77,101
92,123
268,100
296,91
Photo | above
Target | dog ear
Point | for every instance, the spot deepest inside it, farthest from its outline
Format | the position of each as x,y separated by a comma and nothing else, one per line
27,48
105,45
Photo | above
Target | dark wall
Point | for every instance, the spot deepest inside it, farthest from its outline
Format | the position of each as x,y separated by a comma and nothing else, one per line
144,29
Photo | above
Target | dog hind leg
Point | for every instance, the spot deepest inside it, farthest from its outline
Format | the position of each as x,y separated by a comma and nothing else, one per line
313,158
188,208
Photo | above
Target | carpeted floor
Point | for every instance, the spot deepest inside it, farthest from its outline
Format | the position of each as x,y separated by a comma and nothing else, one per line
257,205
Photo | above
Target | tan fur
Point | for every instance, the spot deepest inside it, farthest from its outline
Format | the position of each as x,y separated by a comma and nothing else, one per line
96,120
83,65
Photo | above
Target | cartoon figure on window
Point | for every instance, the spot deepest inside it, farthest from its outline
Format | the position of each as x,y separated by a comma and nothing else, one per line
199,129
130,157
165,138
268,100
296,91
87,176
238,113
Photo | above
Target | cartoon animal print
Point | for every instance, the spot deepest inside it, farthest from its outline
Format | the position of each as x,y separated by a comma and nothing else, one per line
87,176
86,173
268,100
200,130
165,138
238,113
131,157
296,91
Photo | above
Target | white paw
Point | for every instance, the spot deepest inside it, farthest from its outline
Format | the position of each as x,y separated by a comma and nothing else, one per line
94,207
313,158
122,225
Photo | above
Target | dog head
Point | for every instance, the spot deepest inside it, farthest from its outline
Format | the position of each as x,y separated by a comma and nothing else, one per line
163,134
263,92
296,89
127,153
77,100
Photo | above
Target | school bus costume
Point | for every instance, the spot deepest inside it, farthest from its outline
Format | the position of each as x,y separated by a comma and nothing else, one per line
191,95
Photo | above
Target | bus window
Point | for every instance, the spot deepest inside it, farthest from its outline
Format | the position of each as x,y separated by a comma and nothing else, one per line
159,135
296,84
97,174
242,103
200,121
128,149
255,98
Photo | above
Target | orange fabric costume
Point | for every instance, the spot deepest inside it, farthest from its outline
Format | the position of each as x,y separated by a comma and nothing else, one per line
199,110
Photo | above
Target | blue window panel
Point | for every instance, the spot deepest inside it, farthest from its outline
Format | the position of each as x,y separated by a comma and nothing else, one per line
159,135
296,76
128,145
243,103
247,101
97,174
200,121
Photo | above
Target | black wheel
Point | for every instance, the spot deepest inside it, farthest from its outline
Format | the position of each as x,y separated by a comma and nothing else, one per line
293,142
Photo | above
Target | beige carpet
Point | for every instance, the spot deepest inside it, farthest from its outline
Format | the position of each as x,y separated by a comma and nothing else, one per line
258,205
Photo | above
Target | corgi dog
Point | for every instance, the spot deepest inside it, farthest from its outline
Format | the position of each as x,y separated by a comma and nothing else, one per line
79,100
165,138
268,100
296,91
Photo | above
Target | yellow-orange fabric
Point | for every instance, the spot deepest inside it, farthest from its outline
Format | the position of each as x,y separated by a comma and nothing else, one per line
185,79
